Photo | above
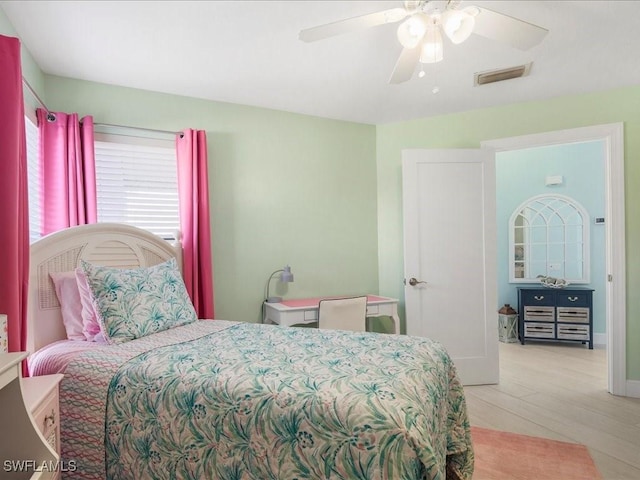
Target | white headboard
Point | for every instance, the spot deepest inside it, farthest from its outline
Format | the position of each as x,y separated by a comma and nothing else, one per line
109,244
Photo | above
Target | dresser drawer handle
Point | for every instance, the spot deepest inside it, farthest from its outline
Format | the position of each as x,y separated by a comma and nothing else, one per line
538,297
572,299
50,420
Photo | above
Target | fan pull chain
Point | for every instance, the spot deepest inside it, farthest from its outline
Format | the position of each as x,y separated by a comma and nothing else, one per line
422,73
435,88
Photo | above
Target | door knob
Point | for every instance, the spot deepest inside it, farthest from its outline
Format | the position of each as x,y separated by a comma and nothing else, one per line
413,281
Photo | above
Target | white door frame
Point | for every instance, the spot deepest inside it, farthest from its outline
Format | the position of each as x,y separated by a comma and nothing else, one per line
616,320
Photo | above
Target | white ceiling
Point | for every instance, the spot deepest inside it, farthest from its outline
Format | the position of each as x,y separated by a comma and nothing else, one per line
248,52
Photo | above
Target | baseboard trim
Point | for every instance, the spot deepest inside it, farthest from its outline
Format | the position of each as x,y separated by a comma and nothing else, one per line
633,388
600,339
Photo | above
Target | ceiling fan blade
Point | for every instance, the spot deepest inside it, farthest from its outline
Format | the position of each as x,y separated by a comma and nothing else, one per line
350,24
406,65
497,26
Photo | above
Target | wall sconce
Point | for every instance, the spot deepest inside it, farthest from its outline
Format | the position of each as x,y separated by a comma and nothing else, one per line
285,277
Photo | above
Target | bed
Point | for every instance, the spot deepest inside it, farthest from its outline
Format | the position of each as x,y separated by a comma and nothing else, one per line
223,399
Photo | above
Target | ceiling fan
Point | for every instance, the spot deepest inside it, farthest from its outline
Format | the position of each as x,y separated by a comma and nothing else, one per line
423,22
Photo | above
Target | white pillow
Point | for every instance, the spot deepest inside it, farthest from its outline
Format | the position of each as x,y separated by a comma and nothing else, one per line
69,297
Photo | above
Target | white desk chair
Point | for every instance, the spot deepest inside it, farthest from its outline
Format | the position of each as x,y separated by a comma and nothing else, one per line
343,314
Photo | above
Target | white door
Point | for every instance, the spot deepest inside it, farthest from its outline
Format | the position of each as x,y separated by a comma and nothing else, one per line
450,256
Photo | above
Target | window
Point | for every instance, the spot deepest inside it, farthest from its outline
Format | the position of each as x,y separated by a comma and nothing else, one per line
136,180
33,178
137,183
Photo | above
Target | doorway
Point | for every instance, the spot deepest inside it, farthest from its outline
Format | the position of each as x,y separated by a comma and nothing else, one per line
615,290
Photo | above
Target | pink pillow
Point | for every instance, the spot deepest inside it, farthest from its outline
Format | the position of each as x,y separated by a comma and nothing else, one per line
90,325
69,297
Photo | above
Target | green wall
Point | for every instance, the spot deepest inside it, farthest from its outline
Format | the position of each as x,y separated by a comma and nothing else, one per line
30,70
284,188
468,130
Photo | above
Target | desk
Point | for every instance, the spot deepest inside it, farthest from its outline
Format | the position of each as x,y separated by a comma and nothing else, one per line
305,310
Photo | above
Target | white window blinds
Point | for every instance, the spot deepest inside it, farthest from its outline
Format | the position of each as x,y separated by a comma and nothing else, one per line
138,185
33,178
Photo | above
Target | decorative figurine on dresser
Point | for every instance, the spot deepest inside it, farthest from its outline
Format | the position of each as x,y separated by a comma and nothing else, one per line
29,443
560,314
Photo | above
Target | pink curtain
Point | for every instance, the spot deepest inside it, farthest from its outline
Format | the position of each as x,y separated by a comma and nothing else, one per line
193,193
14,203
67,171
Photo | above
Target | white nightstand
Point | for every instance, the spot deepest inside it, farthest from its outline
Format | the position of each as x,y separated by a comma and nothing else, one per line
40,396
23,449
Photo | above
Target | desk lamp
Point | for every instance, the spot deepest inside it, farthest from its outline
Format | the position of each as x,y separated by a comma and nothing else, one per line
285,276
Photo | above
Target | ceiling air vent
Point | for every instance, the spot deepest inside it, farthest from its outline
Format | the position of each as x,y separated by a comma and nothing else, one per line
493,76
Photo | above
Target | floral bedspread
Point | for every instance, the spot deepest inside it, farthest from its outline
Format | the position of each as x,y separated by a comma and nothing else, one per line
248,401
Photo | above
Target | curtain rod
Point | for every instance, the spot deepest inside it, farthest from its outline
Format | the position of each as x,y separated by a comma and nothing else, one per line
35,95
136,128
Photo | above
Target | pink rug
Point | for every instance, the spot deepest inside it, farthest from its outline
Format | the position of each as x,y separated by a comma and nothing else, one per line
509,456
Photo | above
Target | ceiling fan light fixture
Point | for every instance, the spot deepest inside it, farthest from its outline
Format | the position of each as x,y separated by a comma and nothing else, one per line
411,31
432,47
422,24
458,25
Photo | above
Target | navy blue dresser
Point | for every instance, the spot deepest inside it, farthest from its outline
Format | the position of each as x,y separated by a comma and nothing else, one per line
564,314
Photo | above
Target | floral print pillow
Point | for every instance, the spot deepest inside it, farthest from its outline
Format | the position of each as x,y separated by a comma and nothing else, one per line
134,303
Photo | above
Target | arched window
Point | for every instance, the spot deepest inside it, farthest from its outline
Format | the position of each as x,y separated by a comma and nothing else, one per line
549,235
